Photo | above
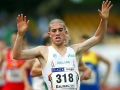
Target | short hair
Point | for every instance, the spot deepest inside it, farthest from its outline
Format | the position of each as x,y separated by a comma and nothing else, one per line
57,21
85,37
46,40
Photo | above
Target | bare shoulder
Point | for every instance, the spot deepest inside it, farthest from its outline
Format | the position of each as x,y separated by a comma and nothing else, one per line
42,49
76,47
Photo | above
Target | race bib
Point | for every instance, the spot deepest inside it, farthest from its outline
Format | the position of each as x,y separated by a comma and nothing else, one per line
14,75
92,79
64,79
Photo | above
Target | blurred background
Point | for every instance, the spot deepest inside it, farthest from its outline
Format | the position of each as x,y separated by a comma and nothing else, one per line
80,16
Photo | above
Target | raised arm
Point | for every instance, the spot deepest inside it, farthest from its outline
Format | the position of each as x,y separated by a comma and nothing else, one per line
18,53
101,30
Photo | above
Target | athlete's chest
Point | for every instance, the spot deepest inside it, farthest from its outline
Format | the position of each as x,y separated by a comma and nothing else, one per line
58,60
64,74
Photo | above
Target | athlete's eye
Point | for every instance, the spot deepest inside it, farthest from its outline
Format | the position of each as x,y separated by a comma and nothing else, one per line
53,30
60,29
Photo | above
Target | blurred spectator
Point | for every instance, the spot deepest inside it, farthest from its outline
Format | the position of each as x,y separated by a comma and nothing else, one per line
92,59
2,82
13,75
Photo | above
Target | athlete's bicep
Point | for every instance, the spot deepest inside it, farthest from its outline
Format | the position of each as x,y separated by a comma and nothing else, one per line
85,45
29,54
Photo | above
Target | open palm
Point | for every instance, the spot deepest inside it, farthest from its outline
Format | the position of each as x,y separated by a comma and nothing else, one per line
106,6
22,24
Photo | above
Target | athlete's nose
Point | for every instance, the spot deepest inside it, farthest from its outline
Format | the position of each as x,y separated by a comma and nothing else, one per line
57,33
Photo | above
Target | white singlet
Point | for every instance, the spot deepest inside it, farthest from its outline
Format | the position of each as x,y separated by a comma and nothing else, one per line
61,71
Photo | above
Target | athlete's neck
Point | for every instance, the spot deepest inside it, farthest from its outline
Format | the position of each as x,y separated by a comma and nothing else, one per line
61,49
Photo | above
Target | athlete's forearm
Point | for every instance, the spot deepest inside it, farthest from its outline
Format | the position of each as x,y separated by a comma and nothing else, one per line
107,74
82,67
17,48
24,75
101,30
104,14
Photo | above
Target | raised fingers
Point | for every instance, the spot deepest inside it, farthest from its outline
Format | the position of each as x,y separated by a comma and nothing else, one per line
28,22
18,18
21,17
25,18
106,2
108,5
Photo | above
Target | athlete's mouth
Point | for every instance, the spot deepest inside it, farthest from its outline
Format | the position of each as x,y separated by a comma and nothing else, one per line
58,38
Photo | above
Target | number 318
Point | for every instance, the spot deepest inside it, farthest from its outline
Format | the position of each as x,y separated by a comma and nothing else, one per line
59,78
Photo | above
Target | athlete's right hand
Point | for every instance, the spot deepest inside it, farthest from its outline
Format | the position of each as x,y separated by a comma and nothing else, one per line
22,24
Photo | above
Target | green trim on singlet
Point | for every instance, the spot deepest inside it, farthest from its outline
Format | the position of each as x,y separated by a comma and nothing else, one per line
46,87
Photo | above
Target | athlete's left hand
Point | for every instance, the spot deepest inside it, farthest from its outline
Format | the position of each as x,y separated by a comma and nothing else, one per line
86,74
104,12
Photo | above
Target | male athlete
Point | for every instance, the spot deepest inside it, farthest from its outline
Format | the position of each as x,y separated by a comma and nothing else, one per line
37,69
60,70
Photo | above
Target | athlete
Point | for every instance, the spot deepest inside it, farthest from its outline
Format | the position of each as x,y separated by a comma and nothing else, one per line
37,70
60,64
13,76
92,60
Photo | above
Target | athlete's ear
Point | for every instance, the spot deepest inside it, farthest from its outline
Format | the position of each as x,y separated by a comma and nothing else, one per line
66,32
49,34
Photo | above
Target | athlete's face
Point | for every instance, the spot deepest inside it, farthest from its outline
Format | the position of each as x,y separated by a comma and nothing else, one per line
57,33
